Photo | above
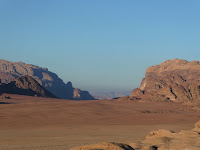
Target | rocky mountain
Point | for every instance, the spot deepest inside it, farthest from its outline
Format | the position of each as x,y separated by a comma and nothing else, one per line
25,85
176,80
49,80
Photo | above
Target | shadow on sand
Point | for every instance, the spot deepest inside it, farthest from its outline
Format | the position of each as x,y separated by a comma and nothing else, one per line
5,103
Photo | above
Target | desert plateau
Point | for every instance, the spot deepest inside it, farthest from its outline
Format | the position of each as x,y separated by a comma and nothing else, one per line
37,123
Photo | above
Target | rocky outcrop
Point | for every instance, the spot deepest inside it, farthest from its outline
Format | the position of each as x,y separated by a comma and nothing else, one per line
49,80
197,126
156,140
82,95
137,93
105,146
166,139
127,98
25,85
177,80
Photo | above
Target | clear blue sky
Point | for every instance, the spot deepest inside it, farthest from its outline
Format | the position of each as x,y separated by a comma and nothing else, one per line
99,44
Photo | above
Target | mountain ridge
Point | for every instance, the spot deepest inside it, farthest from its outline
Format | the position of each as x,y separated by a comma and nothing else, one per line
25,85
49,80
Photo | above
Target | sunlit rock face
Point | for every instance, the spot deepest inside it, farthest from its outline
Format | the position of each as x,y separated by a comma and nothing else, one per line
105,146
156,140
166,139
137,93
49,80
176,80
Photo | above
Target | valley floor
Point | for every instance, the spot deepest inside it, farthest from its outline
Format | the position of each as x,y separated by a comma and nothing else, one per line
31,123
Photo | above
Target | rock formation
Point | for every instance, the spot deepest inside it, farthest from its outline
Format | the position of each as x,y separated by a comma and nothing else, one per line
82,95
177,80
156,140
105,146
137,93
166,139
197,126
49,80
7,77
25,85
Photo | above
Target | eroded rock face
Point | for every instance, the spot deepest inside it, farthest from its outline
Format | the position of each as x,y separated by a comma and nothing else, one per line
7,77
25,85
49,80
176,80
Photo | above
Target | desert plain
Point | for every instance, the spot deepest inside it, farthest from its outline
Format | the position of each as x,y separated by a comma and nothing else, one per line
34,123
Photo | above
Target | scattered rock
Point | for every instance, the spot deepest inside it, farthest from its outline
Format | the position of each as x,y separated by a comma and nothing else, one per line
161,132
127,98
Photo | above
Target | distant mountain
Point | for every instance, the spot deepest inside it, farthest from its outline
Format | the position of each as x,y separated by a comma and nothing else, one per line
49,80
25,85
109,95
82,95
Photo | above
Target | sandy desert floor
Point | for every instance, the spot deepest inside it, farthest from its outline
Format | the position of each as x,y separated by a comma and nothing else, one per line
31,123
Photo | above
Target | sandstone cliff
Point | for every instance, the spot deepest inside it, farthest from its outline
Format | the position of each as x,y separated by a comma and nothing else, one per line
49,80
25,85
176,80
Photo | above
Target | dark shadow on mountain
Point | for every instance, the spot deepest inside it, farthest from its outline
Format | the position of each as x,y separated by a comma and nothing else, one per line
49,80
25,85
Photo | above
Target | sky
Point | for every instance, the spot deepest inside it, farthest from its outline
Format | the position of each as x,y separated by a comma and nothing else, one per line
99,45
